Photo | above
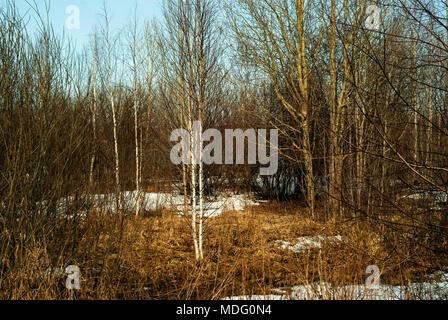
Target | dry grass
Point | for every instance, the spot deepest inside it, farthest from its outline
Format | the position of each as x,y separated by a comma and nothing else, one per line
153,259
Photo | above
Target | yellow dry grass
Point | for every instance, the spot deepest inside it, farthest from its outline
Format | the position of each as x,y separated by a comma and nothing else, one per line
151,257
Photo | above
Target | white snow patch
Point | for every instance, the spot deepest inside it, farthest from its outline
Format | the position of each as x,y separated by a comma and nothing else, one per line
306,243
223,203
325,291
149,202
437,196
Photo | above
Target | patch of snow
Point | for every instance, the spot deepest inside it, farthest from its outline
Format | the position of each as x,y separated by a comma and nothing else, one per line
437,196
223,203
325,291
307,243
149,202
439,276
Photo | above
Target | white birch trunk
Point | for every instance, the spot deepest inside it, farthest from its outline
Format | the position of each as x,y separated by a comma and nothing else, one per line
114,119
92,161
137,153
193,191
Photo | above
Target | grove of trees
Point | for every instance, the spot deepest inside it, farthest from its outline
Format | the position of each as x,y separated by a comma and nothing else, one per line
361,114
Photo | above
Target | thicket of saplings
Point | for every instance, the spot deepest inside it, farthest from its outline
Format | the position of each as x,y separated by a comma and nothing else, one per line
46,147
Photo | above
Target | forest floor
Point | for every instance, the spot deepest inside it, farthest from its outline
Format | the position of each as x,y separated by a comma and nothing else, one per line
267,251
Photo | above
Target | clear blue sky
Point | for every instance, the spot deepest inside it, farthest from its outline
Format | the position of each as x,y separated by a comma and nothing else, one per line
121,12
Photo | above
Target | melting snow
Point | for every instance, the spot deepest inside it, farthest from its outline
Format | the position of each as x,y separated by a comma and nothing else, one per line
324,291
151,201
437,196
306,243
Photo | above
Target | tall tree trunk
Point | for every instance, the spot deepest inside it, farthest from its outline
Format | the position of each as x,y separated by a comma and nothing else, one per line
414,100
308,161
92,160
114,118
429,132
302,72
137,152
201,90
333,170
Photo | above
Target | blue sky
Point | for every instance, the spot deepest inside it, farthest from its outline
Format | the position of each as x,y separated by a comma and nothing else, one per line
121,12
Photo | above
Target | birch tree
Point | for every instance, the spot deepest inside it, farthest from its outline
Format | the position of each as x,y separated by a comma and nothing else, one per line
193,30
94,106
112,103
133,48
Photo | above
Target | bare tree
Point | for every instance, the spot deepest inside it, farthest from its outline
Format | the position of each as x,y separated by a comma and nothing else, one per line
112,102
194,65
94,107
136,124
274,35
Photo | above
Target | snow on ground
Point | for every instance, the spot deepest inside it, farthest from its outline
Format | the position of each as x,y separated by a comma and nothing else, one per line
437,196
151,202
306,243
436,288
222,204
430,290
